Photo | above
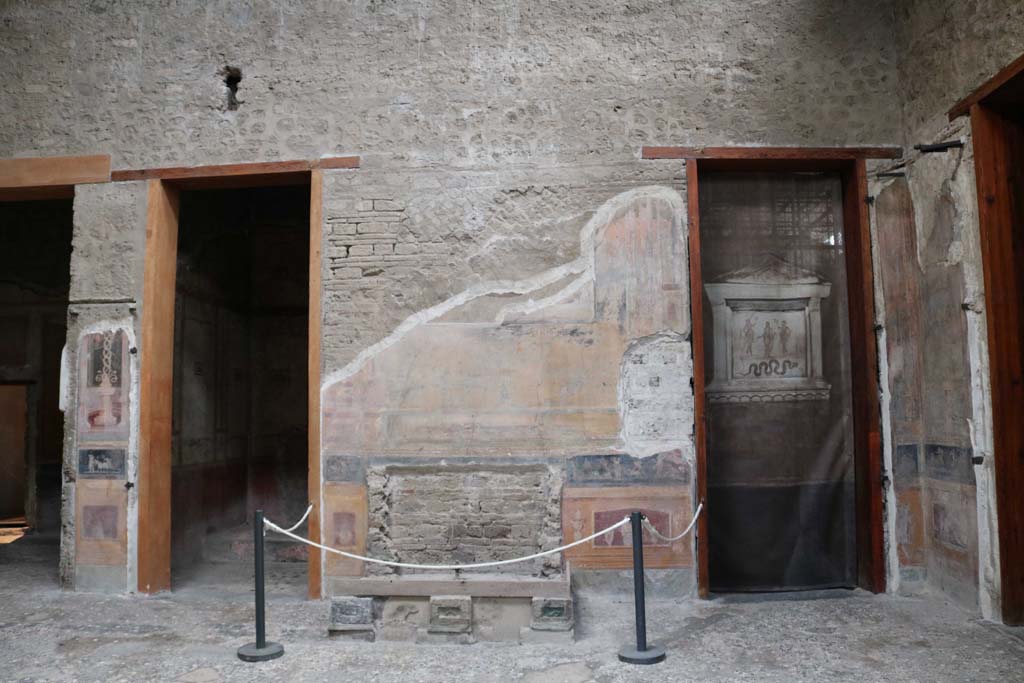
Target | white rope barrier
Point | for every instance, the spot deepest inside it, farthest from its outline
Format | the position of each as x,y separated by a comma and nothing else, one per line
673,539
479,565
295,526
440,567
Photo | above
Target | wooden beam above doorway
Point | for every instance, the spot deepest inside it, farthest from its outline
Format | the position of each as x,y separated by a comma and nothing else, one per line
772,153
47,172
205,175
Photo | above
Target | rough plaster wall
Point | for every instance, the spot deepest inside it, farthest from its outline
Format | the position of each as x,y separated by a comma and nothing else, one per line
495,101
109,245
949,49
434,82
106,283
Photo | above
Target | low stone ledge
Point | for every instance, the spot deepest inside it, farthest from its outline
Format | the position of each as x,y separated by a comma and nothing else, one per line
473,585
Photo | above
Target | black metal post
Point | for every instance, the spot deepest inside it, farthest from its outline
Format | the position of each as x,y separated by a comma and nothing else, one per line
261,650
939,146
641,654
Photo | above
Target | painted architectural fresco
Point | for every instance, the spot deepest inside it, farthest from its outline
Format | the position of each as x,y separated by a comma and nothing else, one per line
534,369
101,499
767,334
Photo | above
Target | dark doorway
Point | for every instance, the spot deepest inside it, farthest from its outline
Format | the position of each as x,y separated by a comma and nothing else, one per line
240,383
35,259
781,475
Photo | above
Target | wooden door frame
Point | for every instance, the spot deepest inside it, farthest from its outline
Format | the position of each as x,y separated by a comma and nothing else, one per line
851,166
157,343
997,131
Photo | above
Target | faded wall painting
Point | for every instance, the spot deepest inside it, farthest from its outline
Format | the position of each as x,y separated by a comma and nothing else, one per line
590,358
101,499
102,389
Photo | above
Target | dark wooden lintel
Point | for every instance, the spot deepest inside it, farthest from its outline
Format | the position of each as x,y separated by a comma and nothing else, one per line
772,153
270,169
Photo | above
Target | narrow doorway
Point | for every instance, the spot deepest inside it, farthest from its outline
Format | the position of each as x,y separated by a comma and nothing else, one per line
35,259
239,429
997,125
781,476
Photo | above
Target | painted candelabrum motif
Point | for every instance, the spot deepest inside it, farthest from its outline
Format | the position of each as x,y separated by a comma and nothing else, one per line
767,334
103,400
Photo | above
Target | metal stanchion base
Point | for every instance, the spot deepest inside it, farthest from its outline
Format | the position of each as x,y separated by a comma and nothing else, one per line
652,655
251,653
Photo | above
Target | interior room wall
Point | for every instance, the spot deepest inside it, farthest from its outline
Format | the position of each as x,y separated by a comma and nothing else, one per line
934,302
35,252
239,435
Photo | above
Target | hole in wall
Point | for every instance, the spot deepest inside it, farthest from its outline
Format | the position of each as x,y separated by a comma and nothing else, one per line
232,76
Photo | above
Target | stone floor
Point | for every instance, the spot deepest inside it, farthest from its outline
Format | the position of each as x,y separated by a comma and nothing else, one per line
49,635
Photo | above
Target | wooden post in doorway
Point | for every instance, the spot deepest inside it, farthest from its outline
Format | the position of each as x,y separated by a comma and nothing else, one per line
155,389
315,237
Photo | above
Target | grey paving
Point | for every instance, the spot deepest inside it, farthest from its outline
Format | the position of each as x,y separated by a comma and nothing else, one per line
50,635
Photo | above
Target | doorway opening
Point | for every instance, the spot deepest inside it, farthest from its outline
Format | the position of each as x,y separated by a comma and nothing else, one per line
240,384
780,461
35,261
788,238
997,128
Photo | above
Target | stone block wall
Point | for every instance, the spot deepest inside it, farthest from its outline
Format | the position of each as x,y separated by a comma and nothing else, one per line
447,513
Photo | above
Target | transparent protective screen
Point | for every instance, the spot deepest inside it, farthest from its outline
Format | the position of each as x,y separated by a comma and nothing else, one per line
777,387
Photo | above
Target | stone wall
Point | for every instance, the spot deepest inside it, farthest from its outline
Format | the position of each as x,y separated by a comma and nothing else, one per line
490,135
440,83
933,304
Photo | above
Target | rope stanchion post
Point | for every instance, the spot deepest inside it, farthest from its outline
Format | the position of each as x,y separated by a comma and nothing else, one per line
642,653
261,650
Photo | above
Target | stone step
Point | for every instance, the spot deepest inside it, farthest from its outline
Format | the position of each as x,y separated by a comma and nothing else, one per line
236,545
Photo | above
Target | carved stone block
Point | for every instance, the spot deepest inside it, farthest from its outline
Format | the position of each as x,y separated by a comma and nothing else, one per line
451,614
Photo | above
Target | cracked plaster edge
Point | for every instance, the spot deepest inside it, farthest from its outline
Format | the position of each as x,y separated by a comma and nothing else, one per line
645,448
892,558
980,422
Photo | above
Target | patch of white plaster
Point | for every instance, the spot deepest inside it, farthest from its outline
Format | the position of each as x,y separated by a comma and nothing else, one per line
655,397
64,384
989,582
